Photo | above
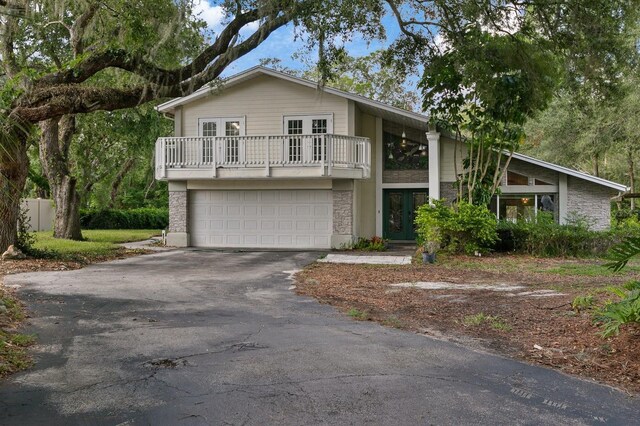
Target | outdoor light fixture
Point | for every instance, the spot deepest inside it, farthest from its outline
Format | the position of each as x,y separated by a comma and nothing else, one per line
404,139
390,155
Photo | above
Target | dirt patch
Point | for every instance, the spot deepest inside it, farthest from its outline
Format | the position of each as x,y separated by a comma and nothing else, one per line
544,330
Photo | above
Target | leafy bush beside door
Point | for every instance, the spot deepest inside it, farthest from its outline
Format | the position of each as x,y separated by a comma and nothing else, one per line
464,227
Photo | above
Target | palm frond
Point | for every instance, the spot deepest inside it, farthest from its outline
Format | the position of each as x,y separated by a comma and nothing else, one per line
620,254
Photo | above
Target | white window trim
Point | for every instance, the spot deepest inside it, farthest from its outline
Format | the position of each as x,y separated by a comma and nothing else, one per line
307,121
220,124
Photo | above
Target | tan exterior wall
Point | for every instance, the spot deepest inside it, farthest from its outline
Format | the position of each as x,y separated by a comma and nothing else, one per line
366,188
264,101
447,165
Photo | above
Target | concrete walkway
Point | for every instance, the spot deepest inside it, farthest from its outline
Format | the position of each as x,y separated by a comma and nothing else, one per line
366,258
150,244
209,338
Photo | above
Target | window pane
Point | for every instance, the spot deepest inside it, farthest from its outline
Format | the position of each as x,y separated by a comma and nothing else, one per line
514,178
517,207
540,182
209,129
319,126
294,127
232,128
396,212
408,153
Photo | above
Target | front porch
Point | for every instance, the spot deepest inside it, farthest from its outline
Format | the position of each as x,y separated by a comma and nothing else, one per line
257,157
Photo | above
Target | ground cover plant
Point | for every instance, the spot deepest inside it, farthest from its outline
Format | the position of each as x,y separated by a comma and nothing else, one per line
549,320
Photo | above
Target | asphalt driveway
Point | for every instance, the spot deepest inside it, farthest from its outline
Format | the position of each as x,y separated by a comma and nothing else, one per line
202,337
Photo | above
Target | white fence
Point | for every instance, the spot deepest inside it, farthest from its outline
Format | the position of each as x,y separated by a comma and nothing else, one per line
40,213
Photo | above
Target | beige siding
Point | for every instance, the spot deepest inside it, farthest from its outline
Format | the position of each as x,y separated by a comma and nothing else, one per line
263,101
447,167
366,189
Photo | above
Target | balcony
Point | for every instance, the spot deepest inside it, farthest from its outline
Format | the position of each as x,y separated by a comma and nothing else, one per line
257,157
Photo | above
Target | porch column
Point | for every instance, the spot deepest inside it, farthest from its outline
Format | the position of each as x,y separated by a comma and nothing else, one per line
178,235
562,198
434,165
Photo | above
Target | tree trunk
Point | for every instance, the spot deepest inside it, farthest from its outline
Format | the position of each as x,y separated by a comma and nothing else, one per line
596,165
14,168
115,187
632,176
54,156
67,200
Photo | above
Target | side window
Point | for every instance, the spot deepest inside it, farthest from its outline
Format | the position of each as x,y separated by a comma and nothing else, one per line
514,178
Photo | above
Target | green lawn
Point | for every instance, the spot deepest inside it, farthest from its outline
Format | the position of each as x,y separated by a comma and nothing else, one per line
97,242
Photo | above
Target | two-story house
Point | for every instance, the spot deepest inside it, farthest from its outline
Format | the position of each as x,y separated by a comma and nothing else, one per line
267,160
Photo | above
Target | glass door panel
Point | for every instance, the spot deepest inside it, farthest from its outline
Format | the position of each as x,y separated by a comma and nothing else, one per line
399,207
294,127
417,200
395,217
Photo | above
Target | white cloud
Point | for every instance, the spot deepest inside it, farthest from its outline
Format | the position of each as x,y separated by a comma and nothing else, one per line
212,15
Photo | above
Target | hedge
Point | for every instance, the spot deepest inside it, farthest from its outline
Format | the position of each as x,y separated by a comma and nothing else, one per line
543,237
142,218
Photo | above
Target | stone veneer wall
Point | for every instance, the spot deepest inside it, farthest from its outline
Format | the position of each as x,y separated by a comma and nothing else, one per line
591,200
178,211
342,212
448,191
405,176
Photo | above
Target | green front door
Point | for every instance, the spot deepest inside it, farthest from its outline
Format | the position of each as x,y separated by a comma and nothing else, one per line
399,207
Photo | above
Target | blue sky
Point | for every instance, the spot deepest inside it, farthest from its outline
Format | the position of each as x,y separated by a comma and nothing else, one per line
282,44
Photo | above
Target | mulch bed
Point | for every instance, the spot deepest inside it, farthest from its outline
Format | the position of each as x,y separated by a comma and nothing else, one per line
544,330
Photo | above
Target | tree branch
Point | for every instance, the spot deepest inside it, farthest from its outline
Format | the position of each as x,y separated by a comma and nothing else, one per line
122,59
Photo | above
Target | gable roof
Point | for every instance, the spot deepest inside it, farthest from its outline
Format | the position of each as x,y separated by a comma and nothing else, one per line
571,172
409,118
388,112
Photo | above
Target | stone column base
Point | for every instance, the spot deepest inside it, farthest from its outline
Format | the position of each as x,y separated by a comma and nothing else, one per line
339,241
178,239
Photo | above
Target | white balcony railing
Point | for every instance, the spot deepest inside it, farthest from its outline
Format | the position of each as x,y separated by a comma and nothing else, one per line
325,152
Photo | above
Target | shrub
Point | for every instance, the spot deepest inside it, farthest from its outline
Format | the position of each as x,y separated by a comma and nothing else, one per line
546,238
26,238
142,218
463,227
368,244
627,310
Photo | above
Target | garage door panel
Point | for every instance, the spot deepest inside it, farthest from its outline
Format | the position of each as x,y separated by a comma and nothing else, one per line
269,218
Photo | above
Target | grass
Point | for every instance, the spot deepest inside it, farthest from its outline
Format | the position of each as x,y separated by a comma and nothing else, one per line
496,323
358,314
97,242
588,270
13,353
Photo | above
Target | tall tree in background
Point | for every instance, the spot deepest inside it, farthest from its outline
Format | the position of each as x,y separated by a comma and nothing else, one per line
484,91
372,76
35,92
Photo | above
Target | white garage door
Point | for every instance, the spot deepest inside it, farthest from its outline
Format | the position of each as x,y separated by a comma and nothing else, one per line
265,218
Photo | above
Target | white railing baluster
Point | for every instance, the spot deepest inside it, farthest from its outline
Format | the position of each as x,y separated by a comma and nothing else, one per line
325,150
